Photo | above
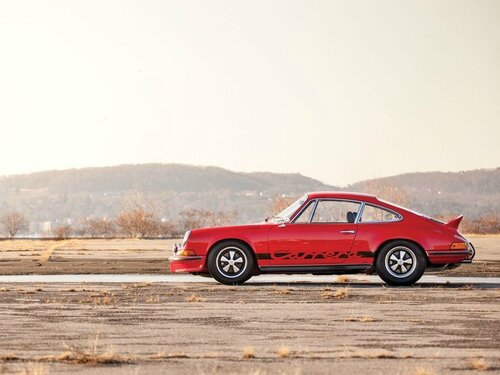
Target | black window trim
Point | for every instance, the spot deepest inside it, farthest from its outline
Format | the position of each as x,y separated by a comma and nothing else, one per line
360,215
316,202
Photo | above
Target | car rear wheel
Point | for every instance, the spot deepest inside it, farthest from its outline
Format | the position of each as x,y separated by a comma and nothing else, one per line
231,263
400,263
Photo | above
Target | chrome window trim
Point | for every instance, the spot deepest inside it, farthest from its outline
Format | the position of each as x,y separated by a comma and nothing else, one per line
317,200
314,202
360,212
360,215
313,211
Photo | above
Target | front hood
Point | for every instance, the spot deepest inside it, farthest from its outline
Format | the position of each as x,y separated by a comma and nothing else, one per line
243,227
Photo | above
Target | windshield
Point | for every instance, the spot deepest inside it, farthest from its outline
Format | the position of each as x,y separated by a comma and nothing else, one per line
289,211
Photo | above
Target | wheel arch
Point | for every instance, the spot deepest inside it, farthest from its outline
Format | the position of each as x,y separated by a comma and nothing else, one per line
383,244
239,240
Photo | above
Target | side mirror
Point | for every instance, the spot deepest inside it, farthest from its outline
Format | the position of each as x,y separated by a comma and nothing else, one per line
284,223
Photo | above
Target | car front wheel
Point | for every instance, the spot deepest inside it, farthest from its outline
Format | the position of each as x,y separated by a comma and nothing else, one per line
231,263
400,263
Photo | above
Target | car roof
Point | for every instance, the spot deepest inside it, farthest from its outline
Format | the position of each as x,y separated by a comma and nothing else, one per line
368,198
343,195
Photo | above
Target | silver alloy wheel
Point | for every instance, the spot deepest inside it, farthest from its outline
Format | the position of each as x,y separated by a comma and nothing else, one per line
231,262
400,261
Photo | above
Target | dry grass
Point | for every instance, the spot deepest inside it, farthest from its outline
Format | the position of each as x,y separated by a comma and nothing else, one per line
79,356
161,356
97,300
47,253
282,291
422,371
142,285
248,352
283,351
373,354
194,298
9,358
92,355
34,369
363,319
340,293
342,279
477,364
153,299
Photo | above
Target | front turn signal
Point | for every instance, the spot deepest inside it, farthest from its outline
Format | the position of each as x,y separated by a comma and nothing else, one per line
459,246
186,253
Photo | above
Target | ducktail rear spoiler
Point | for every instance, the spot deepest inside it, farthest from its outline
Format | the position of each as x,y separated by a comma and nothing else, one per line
455,222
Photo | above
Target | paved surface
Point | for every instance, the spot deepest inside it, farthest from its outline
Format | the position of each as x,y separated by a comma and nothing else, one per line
262,279
277,324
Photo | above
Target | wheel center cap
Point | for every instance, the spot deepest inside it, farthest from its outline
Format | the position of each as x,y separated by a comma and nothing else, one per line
400,262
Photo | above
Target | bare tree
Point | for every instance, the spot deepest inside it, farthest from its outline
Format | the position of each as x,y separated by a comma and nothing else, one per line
489,223
138,223
62,232
100,228
168,229
200,218
139,218
279,203
12,223
386,190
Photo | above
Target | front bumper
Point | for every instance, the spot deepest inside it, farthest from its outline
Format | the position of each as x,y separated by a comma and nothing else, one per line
190,263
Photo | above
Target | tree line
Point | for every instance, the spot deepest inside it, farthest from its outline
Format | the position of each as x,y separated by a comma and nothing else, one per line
140,220
136,223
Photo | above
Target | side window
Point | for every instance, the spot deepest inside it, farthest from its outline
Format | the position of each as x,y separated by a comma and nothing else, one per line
329,211
304,216
372,214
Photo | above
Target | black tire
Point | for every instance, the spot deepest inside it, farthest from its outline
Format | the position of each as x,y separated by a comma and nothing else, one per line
231,263
400,263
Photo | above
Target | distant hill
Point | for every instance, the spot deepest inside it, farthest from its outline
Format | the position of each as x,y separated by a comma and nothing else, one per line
97,192
80,193
471,193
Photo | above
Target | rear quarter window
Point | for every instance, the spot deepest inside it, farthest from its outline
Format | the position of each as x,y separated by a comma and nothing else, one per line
373,214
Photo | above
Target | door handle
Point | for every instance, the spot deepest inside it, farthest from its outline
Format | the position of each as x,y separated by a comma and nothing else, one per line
348,231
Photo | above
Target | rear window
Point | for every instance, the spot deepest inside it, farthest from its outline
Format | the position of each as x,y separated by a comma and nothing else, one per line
373,214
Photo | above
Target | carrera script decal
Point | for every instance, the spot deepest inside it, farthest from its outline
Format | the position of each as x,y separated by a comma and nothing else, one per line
309,255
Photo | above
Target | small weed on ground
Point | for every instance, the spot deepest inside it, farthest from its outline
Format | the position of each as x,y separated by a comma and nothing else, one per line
364,319
340,293
194,298
343,279
422,371
283,351
248,352
477,364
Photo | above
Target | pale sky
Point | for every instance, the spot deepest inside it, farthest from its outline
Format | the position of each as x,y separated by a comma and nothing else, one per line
336,90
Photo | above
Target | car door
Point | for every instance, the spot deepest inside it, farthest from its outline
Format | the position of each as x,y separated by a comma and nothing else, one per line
322,234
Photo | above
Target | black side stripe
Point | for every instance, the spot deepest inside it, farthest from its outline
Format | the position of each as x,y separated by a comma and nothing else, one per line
365,254
263,256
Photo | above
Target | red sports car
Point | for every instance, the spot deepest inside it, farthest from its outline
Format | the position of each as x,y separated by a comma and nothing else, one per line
327,233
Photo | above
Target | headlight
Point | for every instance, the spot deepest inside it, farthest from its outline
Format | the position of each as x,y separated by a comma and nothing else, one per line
184,240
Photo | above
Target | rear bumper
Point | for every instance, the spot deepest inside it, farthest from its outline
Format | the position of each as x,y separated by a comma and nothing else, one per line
452,256
187,264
